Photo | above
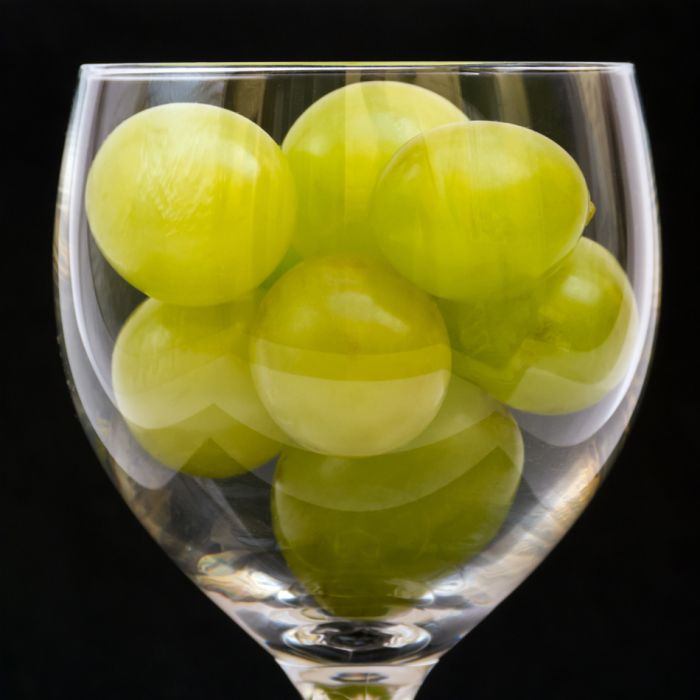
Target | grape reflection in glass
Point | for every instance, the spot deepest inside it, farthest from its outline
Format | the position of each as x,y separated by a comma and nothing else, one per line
357,343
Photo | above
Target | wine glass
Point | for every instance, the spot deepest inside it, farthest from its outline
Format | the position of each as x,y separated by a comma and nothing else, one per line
357,342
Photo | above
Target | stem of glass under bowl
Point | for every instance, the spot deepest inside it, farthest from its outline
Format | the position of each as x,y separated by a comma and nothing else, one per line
357,682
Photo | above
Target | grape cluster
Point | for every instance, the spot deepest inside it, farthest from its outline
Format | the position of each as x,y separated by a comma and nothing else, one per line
363,303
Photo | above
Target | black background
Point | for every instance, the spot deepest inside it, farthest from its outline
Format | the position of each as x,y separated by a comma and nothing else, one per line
90,607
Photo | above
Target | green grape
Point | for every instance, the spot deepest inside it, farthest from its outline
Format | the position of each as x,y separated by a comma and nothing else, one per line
339,146
348,357
367,536
557,350
181,379
190,203
480,209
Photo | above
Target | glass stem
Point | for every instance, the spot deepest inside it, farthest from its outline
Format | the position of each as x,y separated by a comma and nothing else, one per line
357,682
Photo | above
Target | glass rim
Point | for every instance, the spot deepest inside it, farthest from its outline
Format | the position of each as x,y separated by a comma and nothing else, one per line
135,70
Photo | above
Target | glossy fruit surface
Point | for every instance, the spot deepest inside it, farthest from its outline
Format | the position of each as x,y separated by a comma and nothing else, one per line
339,146
481,209
192,204
558,350
182,381
348,357
367,535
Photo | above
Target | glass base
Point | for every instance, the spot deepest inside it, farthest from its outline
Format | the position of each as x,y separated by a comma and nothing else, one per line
357,682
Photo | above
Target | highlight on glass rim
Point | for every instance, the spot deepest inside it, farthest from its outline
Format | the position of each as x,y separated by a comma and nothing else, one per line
357,342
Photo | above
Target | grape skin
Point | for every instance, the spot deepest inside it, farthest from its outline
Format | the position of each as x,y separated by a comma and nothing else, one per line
337,149
367,536
349,358
479,210
179,201
181,379
558,350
